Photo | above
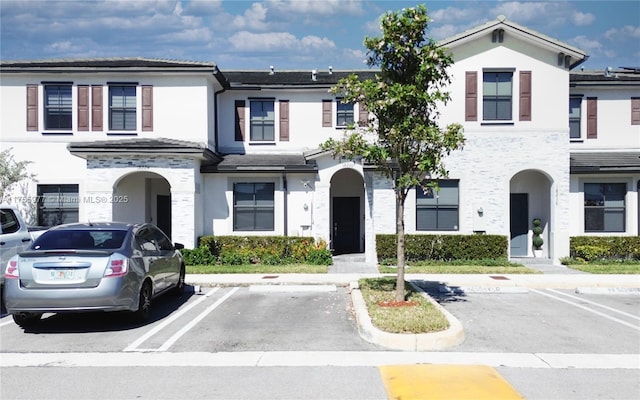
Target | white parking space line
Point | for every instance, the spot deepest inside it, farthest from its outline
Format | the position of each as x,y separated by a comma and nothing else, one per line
595,304
194,321
134,346
591,310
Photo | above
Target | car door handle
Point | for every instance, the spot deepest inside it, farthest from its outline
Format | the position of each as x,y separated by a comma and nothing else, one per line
3,243
26,240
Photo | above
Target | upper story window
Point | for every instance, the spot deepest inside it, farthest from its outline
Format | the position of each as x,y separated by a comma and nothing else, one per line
122,108
253,206
262,120
497,95
604,207
437,210
57,107
575,109
344,114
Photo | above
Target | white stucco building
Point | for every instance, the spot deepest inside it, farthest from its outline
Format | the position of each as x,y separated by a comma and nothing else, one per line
203,151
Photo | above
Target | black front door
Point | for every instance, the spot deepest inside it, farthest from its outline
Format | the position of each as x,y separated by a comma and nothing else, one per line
346,225
164,214
519,222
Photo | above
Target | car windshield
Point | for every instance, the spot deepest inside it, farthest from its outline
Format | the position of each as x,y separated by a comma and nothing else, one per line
80,239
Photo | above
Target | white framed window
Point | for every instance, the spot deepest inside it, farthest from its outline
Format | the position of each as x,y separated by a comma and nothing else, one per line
497,95
262,120
437,210
604,207
253,206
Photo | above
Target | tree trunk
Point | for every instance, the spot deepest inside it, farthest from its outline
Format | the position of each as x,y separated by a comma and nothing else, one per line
400,248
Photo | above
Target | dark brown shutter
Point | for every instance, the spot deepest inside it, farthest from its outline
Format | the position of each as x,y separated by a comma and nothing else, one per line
525,95
32,107
240,120
471,96
592,117
326,113
363,114
635,111
284,120
147,108
83,107
96,108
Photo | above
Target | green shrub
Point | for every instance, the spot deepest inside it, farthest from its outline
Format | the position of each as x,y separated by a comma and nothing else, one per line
605,247
319,257
199,256
267,250
443,247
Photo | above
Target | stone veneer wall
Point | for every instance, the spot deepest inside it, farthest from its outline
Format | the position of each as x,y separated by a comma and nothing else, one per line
103,173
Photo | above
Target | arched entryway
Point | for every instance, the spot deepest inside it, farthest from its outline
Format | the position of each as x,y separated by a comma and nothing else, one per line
347,212
530,197
143,197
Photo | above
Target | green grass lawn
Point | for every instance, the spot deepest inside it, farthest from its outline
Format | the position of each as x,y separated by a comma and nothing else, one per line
257,269
594,267
421,316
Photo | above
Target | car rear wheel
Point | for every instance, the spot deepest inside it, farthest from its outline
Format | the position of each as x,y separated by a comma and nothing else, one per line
26,319
144,306
180,285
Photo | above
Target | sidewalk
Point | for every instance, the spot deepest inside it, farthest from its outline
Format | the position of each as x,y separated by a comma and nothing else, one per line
350,268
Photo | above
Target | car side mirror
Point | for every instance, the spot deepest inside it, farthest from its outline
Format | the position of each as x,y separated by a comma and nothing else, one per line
178,246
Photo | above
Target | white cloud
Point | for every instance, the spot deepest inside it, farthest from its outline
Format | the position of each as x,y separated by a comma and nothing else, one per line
625,32
587,44
278,42
324,7
254,18
582,19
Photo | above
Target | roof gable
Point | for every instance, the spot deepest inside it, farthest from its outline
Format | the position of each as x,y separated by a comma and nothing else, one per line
499,28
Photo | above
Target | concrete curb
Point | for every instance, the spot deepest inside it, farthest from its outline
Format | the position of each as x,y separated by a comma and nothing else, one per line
452,336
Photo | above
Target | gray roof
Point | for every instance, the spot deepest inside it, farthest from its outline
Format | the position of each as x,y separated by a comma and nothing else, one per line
605,162
142,146
239,78
617,77
127,64
253,163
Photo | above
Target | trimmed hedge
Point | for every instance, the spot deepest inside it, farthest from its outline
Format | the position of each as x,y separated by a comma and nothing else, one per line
589,248
443,247
268,250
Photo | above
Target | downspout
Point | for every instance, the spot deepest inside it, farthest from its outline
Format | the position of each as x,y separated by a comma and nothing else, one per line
286,210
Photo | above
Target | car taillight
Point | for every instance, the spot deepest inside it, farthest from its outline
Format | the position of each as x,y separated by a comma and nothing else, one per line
117,267
12,270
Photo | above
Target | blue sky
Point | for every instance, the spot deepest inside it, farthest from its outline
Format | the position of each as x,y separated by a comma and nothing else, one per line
290,34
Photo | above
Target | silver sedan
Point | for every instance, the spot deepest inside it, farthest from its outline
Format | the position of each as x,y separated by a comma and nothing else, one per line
93,267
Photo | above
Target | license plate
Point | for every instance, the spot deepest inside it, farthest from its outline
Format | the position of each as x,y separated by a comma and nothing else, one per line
61,274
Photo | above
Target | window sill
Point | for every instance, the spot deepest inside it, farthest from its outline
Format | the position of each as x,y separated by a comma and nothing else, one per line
123,133
495,123
262,143
65,133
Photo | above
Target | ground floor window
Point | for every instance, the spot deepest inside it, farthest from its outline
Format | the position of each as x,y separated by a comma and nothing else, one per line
604,207
437,210
57,204
253,206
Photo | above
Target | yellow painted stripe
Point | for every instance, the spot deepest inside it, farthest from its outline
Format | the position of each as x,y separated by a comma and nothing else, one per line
478,382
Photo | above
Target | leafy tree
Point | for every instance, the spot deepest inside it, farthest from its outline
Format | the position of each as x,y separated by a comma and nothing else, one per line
11,172
403,139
